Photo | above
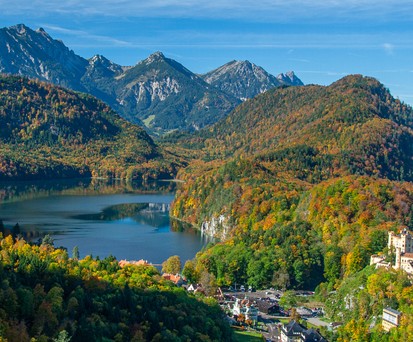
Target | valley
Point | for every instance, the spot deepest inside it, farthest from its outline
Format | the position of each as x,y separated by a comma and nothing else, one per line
297,186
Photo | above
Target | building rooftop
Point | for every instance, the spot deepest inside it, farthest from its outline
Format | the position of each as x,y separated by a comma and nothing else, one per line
312,335
407,255
389,309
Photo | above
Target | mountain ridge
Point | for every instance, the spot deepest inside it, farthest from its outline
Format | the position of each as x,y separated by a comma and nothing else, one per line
245,80
173,98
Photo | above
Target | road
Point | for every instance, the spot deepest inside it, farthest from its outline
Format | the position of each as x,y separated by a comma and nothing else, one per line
318,322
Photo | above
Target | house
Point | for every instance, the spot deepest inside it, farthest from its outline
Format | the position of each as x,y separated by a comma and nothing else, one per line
296,332
177,279
195,288
246,308
267,307
123,262
391,318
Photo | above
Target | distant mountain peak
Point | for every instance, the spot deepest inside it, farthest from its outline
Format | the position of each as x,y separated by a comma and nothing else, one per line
155,57
99,59
35,54
245,80
289,78
246,63
20,28
42,31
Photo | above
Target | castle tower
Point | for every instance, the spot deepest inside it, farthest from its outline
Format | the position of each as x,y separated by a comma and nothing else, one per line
398,258
390,243
404,241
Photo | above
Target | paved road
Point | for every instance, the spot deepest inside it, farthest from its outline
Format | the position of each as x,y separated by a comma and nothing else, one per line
318,322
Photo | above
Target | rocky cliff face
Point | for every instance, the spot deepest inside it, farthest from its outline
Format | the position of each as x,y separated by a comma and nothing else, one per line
35,54
217,227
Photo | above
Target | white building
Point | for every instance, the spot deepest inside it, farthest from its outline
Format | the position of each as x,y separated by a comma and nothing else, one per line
404,241
402,245
391,318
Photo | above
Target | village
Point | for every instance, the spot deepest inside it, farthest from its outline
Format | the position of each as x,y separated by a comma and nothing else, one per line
262,311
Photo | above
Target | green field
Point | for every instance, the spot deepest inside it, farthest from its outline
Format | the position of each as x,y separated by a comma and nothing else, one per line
244,336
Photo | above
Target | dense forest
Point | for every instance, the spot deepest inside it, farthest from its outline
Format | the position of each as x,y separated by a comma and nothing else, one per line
302,185
359,302
45,295
47,131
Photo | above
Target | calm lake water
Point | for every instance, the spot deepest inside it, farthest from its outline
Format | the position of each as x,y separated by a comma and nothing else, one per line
128,221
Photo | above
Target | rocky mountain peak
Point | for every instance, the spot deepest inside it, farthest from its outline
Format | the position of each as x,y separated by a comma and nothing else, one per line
35,54
20,28
289,78
42,31
100,60
155,57
245,80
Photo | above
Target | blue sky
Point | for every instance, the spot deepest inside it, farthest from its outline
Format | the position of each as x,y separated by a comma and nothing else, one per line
320,40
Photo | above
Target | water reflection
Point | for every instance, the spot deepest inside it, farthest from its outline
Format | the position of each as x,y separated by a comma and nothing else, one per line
152,214
21,190
127,220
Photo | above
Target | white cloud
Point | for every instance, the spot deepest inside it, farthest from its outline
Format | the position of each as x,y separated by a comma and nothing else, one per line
274,10
86,35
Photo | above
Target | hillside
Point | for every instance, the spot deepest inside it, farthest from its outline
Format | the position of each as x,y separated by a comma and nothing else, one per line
47,296
353,126
303,185
48,131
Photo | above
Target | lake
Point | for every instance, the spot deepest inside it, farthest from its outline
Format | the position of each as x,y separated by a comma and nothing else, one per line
126,220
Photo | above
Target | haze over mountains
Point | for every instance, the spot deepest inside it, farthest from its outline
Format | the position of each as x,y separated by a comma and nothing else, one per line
159,92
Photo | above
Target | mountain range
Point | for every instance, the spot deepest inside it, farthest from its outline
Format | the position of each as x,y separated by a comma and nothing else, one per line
158,92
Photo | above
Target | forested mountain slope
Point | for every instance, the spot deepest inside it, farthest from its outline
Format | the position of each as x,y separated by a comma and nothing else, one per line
317,180
48,131
353,126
